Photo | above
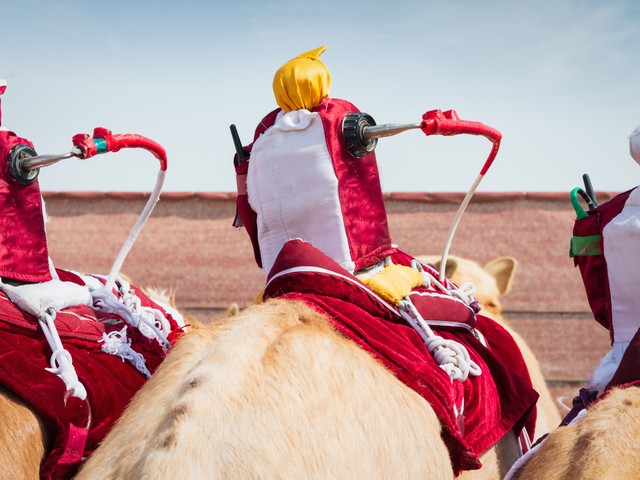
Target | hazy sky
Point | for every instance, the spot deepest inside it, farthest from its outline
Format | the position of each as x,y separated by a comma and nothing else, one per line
559,78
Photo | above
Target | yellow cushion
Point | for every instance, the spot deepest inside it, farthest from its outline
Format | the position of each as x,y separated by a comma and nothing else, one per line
394,282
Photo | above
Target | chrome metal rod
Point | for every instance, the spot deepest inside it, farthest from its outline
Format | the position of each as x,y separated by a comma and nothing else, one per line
387,130
39,161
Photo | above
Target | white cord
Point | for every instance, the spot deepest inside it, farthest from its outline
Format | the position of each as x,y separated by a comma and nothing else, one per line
464,292
454,225
44,300
135,231
60,360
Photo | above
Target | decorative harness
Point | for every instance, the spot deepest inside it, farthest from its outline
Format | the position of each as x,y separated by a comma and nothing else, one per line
108,297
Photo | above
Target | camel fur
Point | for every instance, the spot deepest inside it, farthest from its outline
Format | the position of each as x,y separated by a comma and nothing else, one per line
273,392
23,439
600,446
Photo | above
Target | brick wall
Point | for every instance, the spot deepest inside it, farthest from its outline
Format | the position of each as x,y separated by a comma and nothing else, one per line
189,246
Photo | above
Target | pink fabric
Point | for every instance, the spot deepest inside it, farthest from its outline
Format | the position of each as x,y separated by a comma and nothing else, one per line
495,402
437,122
77,440
361,198
110,381
246,216
85,143
23,243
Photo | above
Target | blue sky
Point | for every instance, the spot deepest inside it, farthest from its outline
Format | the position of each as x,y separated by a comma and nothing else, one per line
558,78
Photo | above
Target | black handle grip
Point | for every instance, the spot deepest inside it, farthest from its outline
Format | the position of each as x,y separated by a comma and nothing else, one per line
241,154
593,203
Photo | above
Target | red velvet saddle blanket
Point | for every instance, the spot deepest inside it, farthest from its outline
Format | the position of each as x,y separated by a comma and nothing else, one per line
498,400
109,380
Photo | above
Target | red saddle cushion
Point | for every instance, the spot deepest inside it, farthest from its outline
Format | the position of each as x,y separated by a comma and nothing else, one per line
498,400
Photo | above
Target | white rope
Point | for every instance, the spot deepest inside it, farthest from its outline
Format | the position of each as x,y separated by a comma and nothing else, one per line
135,231
44,300
463,293
450,355
153,322
60,360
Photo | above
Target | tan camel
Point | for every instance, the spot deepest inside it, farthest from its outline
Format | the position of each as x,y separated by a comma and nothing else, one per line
299,401
273,392
263,355
23,439
600,446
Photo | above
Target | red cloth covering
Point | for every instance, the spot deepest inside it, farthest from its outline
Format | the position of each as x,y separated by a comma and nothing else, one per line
23,243
110,381
495,402
359,189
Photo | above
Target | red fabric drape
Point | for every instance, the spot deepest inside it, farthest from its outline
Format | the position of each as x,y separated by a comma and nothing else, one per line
23,242
500,399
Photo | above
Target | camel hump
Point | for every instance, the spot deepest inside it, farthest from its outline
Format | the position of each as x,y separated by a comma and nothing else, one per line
275,384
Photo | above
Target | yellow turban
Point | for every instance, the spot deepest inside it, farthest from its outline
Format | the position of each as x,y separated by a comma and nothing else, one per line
302,82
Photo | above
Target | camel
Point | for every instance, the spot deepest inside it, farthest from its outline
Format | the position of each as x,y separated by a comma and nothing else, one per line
283,411
23,438
282,366
599,446
270,342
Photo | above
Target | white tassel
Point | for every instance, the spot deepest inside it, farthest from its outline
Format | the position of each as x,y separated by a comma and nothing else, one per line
116,343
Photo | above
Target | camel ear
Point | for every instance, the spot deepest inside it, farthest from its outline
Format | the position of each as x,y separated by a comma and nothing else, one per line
502,269
450,269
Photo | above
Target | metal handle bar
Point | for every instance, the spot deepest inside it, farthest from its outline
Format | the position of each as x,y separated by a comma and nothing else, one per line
387,130
24,164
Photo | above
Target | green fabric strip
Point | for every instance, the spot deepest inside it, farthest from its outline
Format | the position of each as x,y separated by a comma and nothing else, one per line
101,145
585,246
